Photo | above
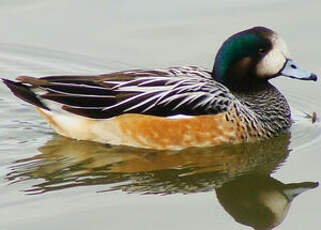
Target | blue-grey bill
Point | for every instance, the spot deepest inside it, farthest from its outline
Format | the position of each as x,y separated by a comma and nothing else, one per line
290,69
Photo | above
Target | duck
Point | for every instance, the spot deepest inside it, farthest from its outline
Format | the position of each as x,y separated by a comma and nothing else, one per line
177,107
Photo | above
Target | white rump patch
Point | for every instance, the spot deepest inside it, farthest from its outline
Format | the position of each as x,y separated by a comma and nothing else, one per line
179,116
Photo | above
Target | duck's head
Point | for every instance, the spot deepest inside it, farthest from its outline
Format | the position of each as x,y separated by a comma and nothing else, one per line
248,59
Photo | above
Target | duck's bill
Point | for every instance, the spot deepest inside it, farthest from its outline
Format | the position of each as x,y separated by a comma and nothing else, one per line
290,69
292,190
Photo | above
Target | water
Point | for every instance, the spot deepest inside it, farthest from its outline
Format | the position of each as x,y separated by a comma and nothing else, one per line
49,182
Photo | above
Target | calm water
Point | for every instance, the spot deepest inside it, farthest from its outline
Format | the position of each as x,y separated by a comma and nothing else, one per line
49,182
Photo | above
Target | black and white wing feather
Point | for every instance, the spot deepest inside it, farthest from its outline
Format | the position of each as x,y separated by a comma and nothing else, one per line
178,90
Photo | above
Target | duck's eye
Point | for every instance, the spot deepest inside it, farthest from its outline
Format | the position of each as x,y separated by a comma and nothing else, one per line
261,50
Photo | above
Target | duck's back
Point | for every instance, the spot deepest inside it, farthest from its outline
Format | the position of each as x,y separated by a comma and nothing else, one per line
163,109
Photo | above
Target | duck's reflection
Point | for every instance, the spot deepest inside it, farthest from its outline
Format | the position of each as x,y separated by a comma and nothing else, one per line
240,174
259,201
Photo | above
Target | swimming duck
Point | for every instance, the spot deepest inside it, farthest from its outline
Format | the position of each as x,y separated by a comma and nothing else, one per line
177,107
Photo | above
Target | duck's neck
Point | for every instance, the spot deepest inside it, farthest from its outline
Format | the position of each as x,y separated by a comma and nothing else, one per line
269,106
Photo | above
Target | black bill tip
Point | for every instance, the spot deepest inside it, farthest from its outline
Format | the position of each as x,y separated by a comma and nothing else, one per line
313,77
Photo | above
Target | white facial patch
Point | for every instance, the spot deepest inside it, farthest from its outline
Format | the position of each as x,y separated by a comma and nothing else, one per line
275,59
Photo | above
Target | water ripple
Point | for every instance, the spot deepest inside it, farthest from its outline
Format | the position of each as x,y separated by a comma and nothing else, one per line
17,59
305,131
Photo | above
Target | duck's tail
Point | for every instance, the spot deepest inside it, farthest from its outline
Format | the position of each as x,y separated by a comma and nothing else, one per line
24,92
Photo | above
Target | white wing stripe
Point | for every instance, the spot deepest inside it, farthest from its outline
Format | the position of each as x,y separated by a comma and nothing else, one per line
76,85
45,91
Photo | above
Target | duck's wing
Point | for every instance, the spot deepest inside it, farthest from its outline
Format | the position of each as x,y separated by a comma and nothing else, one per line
183,90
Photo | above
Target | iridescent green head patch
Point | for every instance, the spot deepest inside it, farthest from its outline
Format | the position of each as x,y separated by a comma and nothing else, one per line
244,44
